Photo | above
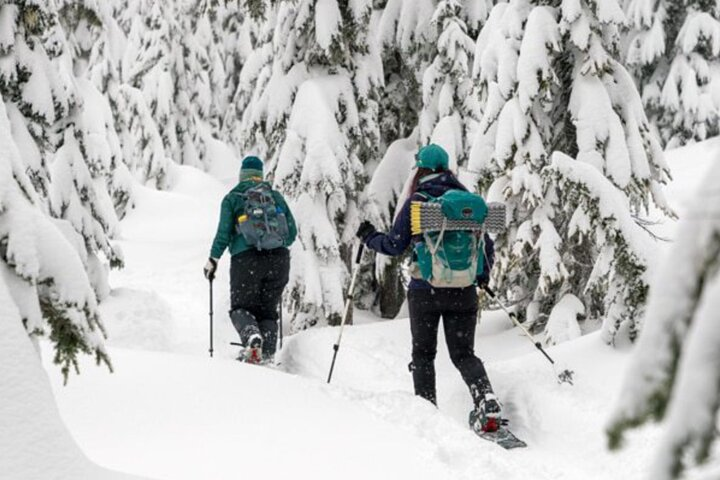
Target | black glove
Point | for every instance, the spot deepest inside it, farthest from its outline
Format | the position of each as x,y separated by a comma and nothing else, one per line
365,229
210,268
482,280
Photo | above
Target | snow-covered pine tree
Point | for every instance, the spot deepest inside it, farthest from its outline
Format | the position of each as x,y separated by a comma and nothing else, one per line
475,13
142,144
36,94
44,103
141,141
196,80
81,198
81,169
386,193
93,42
321,88
408,33
209,47
674,47
40,268
674,374
232,25
407,39
170,70
104,73
448,104
254,121
551,84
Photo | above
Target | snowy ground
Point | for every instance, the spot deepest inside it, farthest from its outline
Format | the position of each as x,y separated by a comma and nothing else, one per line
169,412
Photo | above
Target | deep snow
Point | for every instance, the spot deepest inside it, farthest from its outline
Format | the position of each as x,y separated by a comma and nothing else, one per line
176,414
34,441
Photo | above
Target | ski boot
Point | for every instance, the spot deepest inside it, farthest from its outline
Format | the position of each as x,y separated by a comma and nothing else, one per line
487,415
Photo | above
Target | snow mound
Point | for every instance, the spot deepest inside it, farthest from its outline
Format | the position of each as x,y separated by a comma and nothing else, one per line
34,442
179,416
137,319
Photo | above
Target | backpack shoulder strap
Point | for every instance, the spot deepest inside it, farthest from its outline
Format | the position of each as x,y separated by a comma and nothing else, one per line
424,196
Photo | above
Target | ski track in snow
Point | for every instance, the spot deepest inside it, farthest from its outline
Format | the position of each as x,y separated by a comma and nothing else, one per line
169,412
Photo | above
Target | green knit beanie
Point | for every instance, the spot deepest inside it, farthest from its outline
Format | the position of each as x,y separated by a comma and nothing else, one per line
433,157
251,169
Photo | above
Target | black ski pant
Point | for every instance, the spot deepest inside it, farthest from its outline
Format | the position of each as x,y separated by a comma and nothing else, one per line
257,281
458,309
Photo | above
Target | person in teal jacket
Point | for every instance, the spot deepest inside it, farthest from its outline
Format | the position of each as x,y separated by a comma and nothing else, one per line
257,227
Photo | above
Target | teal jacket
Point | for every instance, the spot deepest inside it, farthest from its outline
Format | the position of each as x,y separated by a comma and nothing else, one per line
232,206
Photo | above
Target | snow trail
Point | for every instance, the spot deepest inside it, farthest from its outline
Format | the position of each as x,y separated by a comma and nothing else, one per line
174,413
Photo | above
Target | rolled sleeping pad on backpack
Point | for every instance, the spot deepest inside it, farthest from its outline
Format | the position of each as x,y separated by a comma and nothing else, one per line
496,220
429,217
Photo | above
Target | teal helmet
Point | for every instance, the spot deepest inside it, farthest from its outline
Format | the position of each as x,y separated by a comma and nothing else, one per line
432,157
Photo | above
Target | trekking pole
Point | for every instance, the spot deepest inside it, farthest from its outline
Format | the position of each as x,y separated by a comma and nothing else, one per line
280,320
348,303
211,318
563,377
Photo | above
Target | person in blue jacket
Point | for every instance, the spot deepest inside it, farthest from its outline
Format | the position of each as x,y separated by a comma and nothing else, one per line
427,304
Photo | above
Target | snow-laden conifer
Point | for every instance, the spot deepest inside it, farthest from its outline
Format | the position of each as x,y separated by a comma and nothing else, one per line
93,43
171,70
141,140
42,270
36,93
315,118
448,106
104,97
674,374
254,121
81,198
207,61
45,102
550,83
386,193
674,47
81,169
239,34
407,39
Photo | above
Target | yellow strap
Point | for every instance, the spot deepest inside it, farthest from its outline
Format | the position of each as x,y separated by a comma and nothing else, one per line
415,223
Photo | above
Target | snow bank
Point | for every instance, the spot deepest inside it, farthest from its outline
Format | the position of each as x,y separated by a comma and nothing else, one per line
688,166
188,417
183,417
34,443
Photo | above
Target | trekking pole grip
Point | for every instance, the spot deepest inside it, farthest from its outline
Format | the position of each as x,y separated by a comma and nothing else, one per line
488,290
358,257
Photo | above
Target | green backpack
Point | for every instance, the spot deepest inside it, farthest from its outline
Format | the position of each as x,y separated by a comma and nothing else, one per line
453,258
